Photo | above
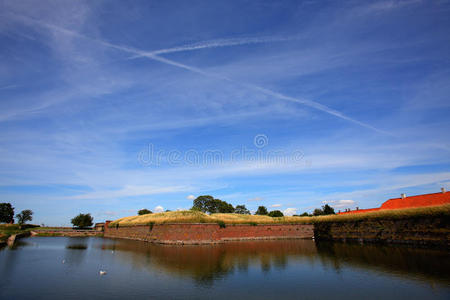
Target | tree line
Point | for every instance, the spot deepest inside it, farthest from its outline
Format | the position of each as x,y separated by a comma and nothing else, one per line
205,203
211,205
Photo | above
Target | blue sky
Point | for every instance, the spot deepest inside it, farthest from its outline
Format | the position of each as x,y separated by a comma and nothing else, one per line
108,107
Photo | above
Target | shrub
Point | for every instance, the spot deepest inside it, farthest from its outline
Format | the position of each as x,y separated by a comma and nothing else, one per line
242,210
221,224
276,214
144,211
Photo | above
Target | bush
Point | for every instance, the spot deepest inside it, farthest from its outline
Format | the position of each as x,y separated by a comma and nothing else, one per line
144,211
276,214
317,212
221,224
241,209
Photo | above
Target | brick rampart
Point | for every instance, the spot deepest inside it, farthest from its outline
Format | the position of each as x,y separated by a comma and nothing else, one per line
209,233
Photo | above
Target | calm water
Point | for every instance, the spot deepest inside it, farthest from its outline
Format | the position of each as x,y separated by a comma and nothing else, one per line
68,268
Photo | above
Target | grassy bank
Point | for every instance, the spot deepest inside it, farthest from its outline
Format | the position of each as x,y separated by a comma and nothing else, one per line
199,217
6,230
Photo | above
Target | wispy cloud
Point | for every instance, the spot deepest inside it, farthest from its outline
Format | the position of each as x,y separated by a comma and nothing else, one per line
8,87
130,191
340,203
290,211
151,55
218,43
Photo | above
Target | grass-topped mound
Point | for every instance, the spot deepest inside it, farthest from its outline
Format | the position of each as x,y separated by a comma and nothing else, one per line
190,216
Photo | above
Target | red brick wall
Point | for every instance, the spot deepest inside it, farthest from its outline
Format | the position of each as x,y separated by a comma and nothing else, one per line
209,233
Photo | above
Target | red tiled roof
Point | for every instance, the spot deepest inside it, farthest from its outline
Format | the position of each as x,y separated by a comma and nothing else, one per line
417,201
409,202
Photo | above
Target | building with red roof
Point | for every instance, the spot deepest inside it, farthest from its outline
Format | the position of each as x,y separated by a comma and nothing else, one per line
409,202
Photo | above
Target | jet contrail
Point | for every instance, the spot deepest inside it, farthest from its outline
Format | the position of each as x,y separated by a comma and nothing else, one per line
153,56
224,43
262,90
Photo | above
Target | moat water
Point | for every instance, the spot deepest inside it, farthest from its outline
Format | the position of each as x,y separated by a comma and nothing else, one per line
69,268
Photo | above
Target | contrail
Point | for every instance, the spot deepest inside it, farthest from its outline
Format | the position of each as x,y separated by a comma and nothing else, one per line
306,102
153,56
224,43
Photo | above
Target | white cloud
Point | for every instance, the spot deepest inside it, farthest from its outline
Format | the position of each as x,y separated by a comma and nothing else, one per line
158,209
290,211
109,213
255,199
276,205
340,203
128,191
190,197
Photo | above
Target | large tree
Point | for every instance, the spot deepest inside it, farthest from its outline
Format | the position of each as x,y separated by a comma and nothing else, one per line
325,210
24,215
82,221
209,204
241,209
6,213
144,211
262,210
201,202
328,210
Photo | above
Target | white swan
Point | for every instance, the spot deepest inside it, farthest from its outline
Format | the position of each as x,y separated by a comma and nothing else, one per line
102,272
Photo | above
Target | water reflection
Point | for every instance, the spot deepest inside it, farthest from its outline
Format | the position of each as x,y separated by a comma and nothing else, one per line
73,256
77,247
205,264
240,270
416,263
209,262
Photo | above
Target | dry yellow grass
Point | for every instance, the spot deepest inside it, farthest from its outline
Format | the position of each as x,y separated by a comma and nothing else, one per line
188,216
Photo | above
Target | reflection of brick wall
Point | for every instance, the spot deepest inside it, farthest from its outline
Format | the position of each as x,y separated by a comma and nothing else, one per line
209,233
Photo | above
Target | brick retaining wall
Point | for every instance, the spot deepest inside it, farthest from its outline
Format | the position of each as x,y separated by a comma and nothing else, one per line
209,233
431,230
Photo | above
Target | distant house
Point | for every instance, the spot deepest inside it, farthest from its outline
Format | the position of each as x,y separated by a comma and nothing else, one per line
99,226
409,202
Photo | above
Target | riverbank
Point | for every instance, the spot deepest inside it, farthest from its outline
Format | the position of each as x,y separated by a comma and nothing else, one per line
66,232
10,232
